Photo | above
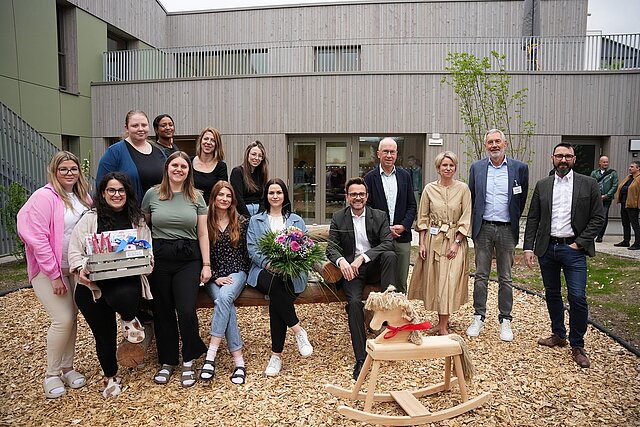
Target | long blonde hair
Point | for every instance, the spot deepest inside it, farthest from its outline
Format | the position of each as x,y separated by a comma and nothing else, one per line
164,189
80,188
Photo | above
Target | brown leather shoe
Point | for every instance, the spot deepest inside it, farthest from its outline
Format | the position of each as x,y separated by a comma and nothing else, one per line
553,341
580,356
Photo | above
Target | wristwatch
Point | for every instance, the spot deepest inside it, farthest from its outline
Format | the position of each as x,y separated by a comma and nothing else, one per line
458,241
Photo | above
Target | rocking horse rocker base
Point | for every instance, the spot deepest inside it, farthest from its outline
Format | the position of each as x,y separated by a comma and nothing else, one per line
404,343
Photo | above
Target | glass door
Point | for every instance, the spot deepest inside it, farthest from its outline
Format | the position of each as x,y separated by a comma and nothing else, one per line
303,197
336,172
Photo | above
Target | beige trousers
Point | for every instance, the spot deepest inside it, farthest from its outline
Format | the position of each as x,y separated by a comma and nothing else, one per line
62,310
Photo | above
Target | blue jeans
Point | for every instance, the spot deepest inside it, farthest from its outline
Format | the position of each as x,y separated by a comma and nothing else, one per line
574,265
225,320
500,238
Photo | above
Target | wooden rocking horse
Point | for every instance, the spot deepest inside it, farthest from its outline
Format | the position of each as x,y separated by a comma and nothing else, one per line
401,341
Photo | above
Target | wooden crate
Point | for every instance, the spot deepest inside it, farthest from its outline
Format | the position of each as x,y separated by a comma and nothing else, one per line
119,264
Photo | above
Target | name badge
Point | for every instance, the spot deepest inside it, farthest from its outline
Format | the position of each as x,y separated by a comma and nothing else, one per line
434,230
517,190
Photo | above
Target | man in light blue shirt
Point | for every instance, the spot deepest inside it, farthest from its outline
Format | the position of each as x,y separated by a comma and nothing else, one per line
499,187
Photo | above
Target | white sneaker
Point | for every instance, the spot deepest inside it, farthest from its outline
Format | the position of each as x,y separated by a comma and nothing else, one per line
476,326
304,346
274,366
505,330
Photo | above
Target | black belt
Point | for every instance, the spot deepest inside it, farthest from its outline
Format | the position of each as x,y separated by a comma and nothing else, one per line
503,224
561,240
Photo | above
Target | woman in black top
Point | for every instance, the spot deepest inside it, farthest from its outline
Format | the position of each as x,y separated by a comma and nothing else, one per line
248,179
164,127
208,165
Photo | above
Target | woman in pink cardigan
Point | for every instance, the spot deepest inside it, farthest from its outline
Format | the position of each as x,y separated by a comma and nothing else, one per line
45,223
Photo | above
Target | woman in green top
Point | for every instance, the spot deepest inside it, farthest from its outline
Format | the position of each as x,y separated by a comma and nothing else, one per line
178,215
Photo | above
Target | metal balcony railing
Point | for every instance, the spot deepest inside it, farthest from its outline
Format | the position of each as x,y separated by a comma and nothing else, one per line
529,54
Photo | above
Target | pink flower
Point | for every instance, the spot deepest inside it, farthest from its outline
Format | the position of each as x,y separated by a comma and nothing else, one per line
281,238
295,246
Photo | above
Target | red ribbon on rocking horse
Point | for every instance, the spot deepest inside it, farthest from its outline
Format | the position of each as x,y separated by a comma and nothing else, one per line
393,330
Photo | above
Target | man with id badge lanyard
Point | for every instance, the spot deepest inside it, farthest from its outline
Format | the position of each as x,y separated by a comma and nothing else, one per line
499,187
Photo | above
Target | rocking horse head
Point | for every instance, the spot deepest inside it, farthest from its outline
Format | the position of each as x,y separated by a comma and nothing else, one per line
395,309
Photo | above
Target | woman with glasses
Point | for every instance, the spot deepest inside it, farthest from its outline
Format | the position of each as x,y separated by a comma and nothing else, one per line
136,157
115,207
440,275
276,215
208,164
45,223
248,179
178,217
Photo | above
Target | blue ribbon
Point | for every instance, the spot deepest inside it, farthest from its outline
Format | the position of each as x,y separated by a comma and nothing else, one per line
122,244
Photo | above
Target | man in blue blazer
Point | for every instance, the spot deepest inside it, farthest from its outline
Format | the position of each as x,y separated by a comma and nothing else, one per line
565,216
499,187
391,191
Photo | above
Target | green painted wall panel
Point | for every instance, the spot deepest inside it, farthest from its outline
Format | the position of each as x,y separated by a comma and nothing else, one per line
10,93
40,107
9,63
36,31
92,42
75,115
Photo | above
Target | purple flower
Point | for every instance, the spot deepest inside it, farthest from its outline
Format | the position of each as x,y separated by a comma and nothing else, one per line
295,246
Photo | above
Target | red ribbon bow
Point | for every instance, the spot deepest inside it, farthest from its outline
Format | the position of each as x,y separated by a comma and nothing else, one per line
393,330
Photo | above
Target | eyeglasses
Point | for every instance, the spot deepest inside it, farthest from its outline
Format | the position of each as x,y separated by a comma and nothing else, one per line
389,152
357,195
563,156
66,171
112,191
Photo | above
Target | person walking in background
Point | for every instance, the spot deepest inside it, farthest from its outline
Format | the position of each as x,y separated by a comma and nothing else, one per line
229,267
44,224
499,186
561,234
164,128
141,161
391,191
248,179
415,169
440,274
178,217
208,164
360,244
114,208
608,183
276,215
628,195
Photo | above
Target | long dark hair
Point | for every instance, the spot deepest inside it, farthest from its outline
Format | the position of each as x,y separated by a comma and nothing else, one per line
156,124
262,168
105,212
286,203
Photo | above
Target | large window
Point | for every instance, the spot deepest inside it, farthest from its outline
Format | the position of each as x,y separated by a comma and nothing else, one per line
222,63
67,48
336,58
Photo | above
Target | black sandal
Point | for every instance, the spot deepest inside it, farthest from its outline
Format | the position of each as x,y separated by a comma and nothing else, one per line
239,373
211,372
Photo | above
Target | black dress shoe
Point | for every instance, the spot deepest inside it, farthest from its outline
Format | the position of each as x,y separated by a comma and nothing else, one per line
623,244
599,240
634,247
357,368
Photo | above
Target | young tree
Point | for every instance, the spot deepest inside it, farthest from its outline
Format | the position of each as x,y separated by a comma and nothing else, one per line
485,102
12,199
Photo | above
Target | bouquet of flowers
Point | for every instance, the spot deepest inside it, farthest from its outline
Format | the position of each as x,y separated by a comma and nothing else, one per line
290,251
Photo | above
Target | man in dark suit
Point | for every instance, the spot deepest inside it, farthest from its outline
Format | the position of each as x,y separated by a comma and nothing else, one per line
565,216
391,190
499,187
360,244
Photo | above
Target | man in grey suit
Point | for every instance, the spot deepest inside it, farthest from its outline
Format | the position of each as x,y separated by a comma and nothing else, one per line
499,187
360,244
564,218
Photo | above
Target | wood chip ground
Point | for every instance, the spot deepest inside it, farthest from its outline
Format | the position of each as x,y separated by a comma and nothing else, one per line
530,385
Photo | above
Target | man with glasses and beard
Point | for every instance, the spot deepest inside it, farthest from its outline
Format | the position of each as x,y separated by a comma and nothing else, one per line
564,218
360,244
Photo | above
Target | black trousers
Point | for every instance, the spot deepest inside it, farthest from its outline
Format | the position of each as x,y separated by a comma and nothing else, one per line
629,217
174,285
383,271
282,312
118,296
